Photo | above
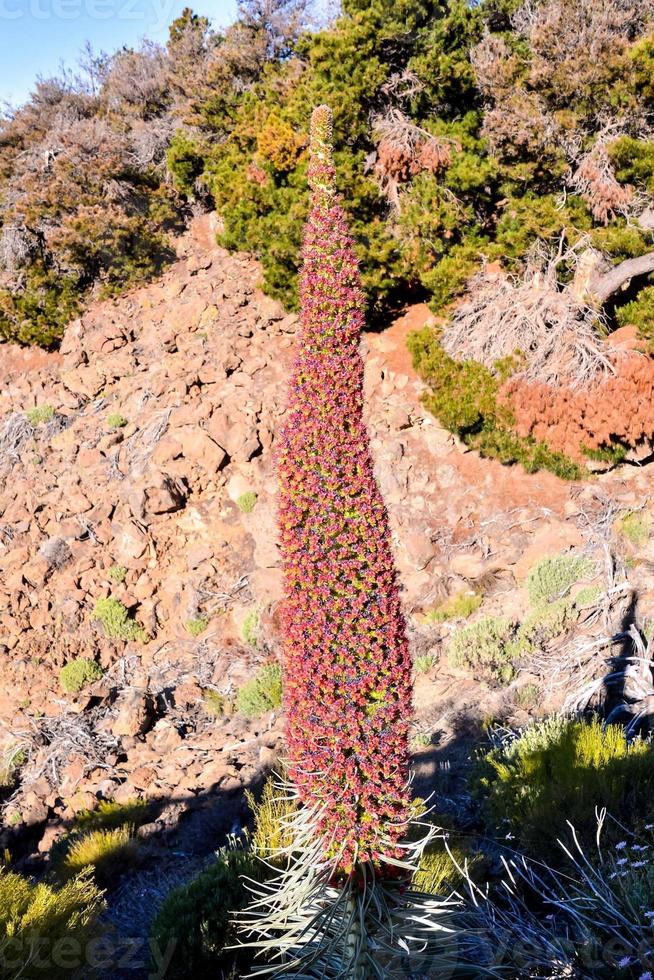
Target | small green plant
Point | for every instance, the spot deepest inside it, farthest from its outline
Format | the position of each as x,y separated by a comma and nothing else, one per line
77,673
11,761
424,662
247,501
271,812
116,421
262,694
543,623
485,647
40,414
564,769
196,921
527,696
250,628
213,701
553,577
421,740
108,851
117,574
109,815
116,620
457,607
437,873
590,595
196,626
41,918
635,527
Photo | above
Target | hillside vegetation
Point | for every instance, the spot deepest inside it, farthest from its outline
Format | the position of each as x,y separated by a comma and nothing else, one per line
501,151
464,133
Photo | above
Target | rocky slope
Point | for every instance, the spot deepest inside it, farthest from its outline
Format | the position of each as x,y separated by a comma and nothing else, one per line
165,406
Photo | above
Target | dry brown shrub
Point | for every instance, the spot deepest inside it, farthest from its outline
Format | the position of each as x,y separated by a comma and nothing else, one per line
555,333
404,150
618,408
575,42
595,180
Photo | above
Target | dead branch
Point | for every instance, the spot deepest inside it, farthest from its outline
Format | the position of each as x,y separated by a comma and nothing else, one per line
603,286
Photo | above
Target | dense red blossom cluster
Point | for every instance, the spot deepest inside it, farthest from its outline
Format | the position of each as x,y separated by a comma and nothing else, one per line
619,409
347,666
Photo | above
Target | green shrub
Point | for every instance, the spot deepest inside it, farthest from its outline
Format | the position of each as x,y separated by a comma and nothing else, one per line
38,312
196,920
109,852
463,397
250,628
117,574
635,527
185,163
563,769
424,663
38,921
197,625
11,761
262,694
116,421
528,696
272,813
116,621
542,624
457,607
438,874
553,577
79,672
485,647
213,701
40,414
109,815
247,501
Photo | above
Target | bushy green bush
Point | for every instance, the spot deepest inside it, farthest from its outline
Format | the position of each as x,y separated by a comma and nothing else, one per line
272,812
214,702
117,574
197,625
39,923
636,527
103,839
11,760
262,694
553,577
79,672
109,852
116,621
198,919
116,421
640,314
485,648
424,662
109,815
563,769
457,607
247,501
250,628
39,414
438,873
185,162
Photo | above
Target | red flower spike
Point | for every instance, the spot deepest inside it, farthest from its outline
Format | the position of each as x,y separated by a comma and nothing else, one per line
346,659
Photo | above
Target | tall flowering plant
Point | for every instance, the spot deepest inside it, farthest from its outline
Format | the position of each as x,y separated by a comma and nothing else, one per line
343,907
347,668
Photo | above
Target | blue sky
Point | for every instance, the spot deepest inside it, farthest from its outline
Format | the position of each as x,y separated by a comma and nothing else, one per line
37,35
